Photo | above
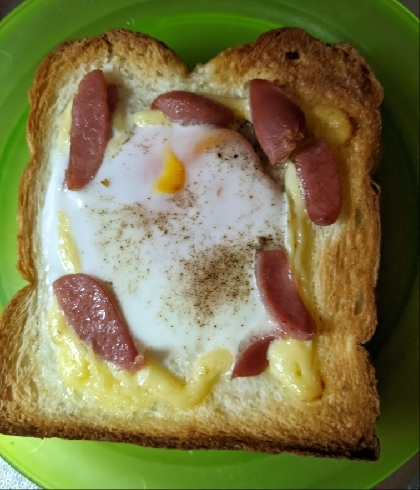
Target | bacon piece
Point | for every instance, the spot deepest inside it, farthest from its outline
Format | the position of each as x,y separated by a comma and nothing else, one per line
253,359
90,130
188,108
281,297
278,122
91,310
320,178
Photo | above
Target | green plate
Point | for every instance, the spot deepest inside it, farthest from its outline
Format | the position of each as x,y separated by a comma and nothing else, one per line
387,35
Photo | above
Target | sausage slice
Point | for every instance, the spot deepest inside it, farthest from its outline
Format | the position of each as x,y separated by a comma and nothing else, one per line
91,310
90,130
253,359
320,178
188,108
281,297
278,122
284,305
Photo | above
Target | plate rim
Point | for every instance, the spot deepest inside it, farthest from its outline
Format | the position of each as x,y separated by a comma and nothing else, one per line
29,3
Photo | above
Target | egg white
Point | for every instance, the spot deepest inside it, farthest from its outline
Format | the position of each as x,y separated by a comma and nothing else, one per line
181,265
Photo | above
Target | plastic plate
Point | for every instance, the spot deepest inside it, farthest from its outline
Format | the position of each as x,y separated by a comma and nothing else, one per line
387,35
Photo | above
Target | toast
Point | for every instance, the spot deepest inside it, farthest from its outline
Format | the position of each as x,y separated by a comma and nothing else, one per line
331,83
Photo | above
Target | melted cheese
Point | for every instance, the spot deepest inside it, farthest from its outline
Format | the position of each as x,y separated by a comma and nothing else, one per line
149,118
295,364
118,118
120,391
291,361
240,107
63,138
332,123
67,249
300,233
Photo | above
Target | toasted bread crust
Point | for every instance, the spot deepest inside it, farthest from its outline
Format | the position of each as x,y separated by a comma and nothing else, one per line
346,256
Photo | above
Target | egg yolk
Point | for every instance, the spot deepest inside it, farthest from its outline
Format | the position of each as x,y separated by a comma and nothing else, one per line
172,178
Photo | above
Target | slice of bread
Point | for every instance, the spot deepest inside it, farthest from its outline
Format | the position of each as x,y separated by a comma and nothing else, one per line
332,83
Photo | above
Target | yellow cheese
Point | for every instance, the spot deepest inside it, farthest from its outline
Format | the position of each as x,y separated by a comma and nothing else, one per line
63,138
299,236
119,130
333,124
295,364
149,118
67,249
330,122
118,118
240,107
122,126
120,391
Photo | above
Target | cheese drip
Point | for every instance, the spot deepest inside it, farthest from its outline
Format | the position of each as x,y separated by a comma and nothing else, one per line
67,249
117,390
295,363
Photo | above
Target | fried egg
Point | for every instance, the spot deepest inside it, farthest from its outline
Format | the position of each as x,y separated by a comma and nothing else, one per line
171,222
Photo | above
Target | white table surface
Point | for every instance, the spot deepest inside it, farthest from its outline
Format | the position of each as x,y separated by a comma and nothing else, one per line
407,477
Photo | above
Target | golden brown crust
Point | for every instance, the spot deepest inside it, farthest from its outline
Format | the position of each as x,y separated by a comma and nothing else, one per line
346,257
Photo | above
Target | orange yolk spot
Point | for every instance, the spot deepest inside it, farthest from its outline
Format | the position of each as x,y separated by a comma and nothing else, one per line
172,178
